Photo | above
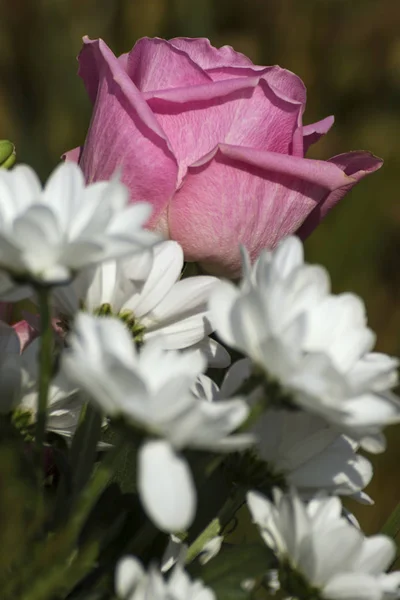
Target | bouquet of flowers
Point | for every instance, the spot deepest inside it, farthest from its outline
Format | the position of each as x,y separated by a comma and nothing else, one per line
169,361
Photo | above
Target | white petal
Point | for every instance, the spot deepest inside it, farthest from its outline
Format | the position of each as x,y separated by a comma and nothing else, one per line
288,255
128,574
221,303
186,298
374,372
63,192
377,554
216,355
165,271
166,487
352,586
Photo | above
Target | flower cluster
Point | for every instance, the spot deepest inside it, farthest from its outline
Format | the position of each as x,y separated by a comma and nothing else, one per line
118,397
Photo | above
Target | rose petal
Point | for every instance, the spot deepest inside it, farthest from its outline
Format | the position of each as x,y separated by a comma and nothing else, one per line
243,196
155,64
356,165
124,132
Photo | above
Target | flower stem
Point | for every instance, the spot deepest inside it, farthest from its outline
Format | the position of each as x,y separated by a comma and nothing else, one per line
45,366
84,446
94,488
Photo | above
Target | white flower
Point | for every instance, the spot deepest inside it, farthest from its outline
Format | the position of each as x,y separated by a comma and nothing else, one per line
316,345
320,553
19,384
146,292
151,389
311,455
133,583
64,401
49,234
299,449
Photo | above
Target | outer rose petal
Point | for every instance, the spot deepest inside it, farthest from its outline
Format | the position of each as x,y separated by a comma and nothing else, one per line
241,196
206,56
356,165
124,132
155,64
314,132
246,111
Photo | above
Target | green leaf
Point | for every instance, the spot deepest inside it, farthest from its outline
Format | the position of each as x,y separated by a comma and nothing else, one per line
231,567
21,506
125,470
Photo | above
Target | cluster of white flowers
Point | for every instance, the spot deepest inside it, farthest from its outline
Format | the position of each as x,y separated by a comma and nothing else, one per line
133,336
320,554
314,344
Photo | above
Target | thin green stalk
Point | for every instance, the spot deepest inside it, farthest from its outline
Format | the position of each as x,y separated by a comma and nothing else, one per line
45,366
392,525
211,531
84,446
94,488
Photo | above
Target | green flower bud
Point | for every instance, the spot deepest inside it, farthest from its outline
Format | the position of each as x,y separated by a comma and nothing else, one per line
7,154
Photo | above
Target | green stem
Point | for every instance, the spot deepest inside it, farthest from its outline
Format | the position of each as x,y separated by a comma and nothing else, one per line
211,531
392,525
45,366
94,488
84,446
232,504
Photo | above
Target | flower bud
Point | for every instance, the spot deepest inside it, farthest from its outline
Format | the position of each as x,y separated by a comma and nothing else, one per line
7,154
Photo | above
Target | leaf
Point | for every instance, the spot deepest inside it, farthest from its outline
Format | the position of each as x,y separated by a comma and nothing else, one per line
226,572
125,471
21,507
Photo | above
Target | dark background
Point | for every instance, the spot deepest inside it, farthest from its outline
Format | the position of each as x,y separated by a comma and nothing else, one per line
346,51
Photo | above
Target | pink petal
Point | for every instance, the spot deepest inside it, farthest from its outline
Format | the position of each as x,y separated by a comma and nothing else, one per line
314,132
26,333
356,165
72,155
124,133
155,64
206,56
247,111
238,196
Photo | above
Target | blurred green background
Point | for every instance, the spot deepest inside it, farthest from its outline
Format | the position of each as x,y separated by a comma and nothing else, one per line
346,51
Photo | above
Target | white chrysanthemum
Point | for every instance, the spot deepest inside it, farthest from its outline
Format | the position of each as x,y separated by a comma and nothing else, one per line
19,385
146,292
320,554
151,389
50,234
133,583
299,449
64,401
316,345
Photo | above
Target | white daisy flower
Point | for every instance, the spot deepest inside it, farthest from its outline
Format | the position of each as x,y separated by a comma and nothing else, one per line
146,292
150,389
48,235
316,346
320,554
295,448
64,401
19,385
133,583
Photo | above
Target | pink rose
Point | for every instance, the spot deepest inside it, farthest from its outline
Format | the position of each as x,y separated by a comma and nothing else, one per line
215,143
